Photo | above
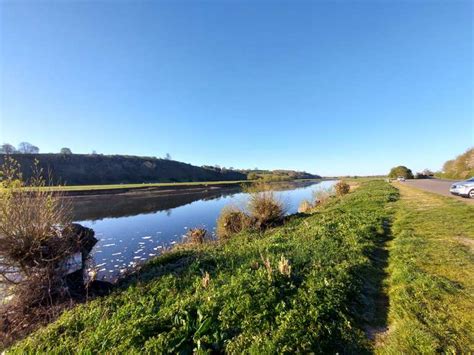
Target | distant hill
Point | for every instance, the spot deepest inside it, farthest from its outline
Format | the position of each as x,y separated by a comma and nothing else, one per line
462,167
278,175
95,169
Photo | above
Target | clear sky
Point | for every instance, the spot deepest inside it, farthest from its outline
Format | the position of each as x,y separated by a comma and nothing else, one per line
331,87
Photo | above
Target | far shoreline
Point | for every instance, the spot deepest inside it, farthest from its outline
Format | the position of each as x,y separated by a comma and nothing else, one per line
161,188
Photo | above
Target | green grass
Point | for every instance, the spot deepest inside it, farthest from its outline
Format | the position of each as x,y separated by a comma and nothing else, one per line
323,306
431,282
77,188
134,186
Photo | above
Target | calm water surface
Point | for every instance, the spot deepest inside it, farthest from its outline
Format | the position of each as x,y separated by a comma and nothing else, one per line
134,227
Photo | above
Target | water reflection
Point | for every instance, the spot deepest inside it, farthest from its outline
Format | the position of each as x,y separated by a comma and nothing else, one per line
133,227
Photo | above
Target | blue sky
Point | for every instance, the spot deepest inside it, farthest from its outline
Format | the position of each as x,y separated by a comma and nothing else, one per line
336,87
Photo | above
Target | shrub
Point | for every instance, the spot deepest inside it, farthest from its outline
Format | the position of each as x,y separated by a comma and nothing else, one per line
231,221
400,171
197,236
460,168
342,188
320,197
305,207
36,240
265,210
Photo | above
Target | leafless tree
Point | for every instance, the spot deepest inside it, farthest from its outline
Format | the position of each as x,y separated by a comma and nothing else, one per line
27,148
7,149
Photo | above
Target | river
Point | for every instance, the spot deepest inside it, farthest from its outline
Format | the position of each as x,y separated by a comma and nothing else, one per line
133,227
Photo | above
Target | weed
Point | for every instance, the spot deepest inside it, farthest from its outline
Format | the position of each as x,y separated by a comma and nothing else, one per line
231,221
342,188
265,210
197,236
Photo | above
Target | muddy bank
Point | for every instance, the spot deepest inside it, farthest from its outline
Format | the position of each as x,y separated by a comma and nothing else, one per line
164,190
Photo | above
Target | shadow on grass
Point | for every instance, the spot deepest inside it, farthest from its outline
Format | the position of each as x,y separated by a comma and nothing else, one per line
375,303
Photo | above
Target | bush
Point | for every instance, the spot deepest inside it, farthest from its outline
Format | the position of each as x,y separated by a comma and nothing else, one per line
342,188
460,168
35,242
320,197
231,221
305,207
197,236
265,210
400,171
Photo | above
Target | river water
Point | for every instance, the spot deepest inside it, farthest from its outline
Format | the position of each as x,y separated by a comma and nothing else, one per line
133,227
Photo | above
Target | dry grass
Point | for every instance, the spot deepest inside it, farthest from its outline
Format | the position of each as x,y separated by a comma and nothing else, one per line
305,207
321,197
342,188
197,236
231,221
35,241
265,210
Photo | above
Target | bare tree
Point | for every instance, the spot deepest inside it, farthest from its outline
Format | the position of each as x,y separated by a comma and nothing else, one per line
27,148
7,149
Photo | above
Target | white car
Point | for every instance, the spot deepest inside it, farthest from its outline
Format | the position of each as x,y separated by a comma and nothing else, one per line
463,188
400,178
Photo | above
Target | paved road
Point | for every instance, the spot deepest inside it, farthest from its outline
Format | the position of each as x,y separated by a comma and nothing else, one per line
437,186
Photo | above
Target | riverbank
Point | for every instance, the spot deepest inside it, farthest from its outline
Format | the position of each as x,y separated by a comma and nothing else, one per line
385,269
308,285
162,188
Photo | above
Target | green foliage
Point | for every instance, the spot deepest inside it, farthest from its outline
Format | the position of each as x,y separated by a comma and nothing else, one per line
65,151
278,175
460,168
98,169
400,171
252,176
299,288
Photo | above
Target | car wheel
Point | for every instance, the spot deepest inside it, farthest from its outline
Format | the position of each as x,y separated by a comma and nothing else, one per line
471,193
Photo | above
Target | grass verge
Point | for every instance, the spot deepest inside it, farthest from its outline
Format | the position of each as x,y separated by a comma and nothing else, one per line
431,282
306,286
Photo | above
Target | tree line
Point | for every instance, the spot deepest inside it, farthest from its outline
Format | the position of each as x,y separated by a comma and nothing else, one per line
23,148
28,148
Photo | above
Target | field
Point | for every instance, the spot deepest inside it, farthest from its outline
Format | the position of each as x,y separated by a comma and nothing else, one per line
385,269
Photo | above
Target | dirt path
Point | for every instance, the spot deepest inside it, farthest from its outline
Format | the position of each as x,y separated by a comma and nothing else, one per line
437,186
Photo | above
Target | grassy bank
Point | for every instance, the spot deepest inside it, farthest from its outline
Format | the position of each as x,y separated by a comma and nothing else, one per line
431,282
171,185
309,285
142,186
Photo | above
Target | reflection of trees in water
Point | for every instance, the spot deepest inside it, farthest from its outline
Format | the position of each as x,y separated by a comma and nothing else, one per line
135,203
131,204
